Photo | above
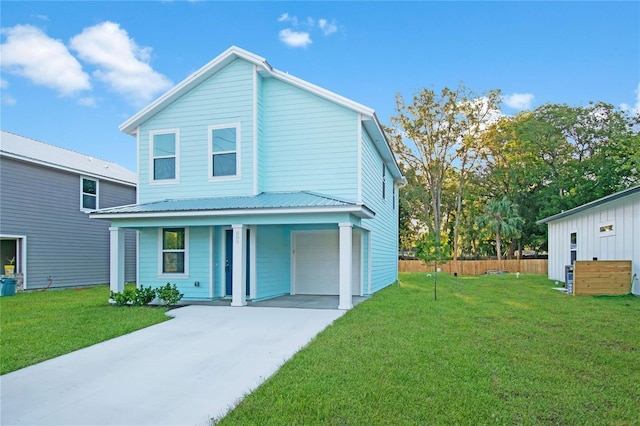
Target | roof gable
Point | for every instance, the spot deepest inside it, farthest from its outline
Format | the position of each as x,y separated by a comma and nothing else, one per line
32,151
368,117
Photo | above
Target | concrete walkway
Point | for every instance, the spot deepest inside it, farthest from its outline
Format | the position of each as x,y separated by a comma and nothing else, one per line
181,372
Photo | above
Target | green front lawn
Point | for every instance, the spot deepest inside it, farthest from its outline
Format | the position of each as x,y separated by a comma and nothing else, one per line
490,350
40,325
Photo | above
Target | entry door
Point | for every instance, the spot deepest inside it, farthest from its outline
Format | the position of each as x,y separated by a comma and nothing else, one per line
228,262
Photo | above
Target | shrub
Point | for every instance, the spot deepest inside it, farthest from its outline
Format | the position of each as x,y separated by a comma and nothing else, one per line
169,294
123,299
143,296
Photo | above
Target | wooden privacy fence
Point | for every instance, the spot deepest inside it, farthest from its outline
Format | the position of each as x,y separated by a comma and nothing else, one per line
478,267
612,277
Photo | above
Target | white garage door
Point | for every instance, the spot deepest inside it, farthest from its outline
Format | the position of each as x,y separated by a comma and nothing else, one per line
316,262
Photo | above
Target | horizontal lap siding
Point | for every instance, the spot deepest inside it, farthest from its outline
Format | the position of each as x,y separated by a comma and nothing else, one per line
273,261
62,241
308,143
225,98
384,227
199,250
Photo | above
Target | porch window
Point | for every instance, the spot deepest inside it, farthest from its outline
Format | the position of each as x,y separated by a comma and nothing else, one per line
223,150
88,194
174,253
164,155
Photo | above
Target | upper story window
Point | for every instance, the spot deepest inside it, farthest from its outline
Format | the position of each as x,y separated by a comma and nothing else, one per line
607,229
394,196
224,150
164,156
384,182
88,194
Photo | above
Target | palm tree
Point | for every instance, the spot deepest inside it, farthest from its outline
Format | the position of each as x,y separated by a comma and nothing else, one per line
501,216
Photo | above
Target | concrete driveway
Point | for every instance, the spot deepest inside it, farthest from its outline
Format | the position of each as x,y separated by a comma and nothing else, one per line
181,372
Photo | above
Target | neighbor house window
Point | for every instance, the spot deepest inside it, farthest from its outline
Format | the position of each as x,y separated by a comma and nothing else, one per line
607,229
89,194
224,150
164,155
574,247
174,252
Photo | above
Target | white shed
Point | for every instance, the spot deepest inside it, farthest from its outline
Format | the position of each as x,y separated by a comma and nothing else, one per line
604,229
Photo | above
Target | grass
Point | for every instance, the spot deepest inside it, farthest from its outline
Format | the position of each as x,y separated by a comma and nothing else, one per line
490,350
37,326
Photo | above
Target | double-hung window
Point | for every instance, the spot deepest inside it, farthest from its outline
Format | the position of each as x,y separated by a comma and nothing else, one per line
164,156
174,250
224,151
89,194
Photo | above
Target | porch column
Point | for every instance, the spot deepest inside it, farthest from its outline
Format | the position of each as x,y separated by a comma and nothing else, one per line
116,259
239,266
346,301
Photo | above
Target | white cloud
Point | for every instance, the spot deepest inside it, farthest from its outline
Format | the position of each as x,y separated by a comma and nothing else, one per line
294,38
633,109
88,101
120,62
30,53
299,32
3,83
8,99
327,27
519,101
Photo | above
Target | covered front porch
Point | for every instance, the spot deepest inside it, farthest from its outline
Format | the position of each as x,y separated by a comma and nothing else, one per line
250,258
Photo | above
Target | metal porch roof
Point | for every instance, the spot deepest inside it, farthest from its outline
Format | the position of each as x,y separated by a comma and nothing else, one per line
266,201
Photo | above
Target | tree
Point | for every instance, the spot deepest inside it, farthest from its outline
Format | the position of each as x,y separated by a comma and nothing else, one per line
436,137
431,248
501,217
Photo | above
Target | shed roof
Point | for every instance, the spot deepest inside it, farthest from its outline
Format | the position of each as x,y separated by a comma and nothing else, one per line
369,118
609,198
263,203
33,151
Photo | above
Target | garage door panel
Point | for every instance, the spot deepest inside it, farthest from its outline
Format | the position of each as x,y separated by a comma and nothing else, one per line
316,268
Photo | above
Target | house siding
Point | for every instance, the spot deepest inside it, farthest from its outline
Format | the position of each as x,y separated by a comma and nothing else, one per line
43,204
384,228
623,213
225,98
308,143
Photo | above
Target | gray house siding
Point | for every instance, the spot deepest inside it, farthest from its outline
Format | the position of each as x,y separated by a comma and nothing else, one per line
62,243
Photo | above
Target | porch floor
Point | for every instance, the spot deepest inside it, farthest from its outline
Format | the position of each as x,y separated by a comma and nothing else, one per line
299,301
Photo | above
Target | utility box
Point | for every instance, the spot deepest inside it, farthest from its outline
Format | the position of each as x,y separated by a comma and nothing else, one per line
8,286
568,278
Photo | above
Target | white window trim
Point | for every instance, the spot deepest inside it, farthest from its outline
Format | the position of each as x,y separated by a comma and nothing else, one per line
607,233
162,274
82,208
210,129
152,133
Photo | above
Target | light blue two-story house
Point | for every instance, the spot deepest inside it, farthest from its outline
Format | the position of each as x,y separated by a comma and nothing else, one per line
255,184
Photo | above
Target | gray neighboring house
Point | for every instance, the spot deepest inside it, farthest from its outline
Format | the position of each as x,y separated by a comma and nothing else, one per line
46,193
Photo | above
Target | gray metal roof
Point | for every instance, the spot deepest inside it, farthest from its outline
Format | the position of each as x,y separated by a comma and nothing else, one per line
25,149
261,202
624,193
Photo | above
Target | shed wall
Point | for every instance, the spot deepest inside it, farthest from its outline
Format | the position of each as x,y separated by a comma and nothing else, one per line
620,244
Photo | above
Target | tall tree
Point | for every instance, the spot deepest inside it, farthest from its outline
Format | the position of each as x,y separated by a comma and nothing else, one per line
501,217
436,136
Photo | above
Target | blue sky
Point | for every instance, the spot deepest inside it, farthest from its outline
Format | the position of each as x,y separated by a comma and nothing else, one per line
72,72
